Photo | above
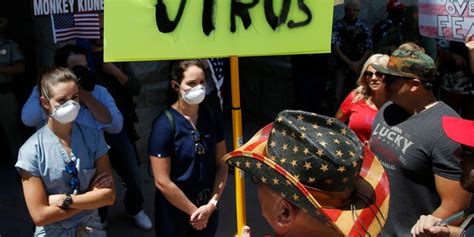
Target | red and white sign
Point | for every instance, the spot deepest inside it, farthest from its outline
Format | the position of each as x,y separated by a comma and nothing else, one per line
447,19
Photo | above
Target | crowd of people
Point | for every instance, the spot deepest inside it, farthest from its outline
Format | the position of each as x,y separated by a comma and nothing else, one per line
387,163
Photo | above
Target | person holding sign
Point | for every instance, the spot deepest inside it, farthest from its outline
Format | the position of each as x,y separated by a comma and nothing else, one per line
186,145
64,166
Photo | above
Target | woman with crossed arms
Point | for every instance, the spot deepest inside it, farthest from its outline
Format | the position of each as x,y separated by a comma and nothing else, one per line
64,166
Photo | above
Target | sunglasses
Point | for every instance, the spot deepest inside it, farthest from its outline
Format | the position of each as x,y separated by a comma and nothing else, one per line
391,78
369,74
198,146
74,183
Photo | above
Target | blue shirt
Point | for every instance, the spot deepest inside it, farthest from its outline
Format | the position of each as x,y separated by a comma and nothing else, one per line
33,115
353,39
44,156
189,171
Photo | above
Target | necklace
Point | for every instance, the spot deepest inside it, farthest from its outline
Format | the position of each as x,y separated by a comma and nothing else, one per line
427,106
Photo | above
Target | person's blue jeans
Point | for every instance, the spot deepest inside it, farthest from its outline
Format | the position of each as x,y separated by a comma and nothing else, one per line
124,159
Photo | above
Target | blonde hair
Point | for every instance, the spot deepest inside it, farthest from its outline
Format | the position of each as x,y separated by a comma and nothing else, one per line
363,89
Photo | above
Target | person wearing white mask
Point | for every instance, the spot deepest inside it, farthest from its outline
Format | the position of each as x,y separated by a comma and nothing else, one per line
185,146
64,166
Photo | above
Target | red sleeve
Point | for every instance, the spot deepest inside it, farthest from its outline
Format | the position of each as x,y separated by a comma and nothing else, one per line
347,104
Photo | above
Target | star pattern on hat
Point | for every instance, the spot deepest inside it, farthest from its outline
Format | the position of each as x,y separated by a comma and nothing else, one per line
304,152
294,163
295,149
329,121
295,197
355,163
324,167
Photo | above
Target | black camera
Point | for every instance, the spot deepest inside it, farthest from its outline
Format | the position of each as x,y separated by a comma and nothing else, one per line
85,76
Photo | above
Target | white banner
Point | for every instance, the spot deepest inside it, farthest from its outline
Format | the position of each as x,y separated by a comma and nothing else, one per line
447,19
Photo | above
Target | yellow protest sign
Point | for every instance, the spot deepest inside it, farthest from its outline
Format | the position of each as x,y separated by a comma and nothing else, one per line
177,29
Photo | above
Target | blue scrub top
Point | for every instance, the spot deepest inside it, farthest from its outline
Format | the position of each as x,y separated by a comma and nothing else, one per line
43,156
190,171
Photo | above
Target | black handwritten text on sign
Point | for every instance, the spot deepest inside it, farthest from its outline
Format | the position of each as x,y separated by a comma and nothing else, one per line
237,9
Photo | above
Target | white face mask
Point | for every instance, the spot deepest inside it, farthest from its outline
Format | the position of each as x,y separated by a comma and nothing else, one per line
195,95
65,113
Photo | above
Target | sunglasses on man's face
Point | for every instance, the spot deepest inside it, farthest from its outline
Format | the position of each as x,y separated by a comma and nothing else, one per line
369,74
198,146
391,78
74,183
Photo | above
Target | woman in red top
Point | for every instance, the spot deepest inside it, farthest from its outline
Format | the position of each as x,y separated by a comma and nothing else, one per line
362,104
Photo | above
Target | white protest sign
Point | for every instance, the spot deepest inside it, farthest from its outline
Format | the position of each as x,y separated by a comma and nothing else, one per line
447,19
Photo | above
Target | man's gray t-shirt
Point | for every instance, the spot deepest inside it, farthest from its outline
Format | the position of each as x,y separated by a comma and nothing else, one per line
412,149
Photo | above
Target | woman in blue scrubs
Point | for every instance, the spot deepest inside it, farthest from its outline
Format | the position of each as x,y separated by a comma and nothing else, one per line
186,145
64,166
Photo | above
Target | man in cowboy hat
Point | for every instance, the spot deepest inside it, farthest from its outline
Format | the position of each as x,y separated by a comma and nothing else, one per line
460,131
315,177
408,140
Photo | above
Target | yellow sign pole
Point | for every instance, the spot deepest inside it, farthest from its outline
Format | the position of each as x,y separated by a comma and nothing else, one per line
238,140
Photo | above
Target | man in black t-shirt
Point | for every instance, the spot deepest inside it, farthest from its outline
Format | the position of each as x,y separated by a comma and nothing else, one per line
408,139
460,131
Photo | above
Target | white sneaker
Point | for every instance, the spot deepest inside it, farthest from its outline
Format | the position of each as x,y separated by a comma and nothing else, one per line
142,221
